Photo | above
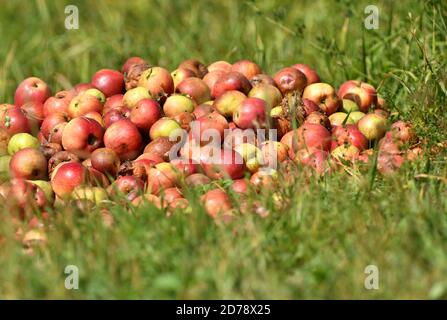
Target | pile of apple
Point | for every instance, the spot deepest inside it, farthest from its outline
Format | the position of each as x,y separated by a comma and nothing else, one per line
114,136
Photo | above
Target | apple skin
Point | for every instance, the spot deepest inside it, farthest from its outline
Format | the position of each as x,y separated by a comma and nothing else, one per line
338,118
268,93
248,68
46,188
31,90
203,125
163,176
33,111
226,163
132,96
145,113
231,81
163,127
95,116
262,79
21,141
196,88
176,104
199,69
324,95
26,195
53,127
356,116
157,81
131,61
59,103
66,177
130,186
307,136
228,102
211,78
159,146
113,102
250,114
202,110
124,138
82,104
219,66
81,88
109,82
14,120
216,202
29,164
310,74
372,126
349,106
240,186
116,114
82,136
362,93
178,75
349,135
402,132
185,167
289,80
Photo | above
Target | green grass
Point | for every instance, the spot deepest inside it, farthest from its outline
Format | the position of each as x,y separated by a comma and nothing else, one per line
328,230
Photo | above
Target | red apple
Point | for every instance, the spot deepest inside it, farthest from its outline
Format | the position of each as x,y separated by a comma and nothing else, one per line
262,79
350,135
196,66
51,122
116,114
211,78
31,90
231,81
157,81
248,68
82,136
130,186
196,88
240,186
60,157
186,167
109,82
106,161
82,104
34,111
311,74
178,103
324,95
216,202
223,163
160,146
14,120
113,102
66,177
59,103
163,176
402,132
362,93
124,138
145,113
268,93
220,66
250,113
181,74
289,80
28,163
209,129
131,61
202,110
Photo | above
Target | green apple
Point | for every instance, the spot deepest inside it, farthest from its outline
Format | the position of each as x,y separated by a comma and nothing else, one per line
132,96
340,118
21,141
96,93
356,116
252,156
350,106
93,194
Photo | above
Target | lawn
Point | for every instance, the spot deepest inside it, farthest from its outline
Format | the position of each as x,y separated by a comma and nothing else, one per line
318,243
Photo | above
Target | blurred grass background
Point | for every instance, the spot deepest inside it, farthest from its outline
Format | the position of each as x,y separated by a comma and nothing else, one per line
330,230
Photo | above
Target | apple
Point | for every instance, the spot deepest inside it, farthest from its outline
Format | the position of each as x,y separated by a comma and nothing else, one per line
402,132
21,141
108,81
345,153
178,103
106,161
59,103
196,88
197,179
209,129
350,135
184,119
203,110
250,113
274,152
95,116
116,114
145,113
130,186
340,119
248,68
31,89
33,111
372,126
113,102
324,95
26,195
268,93
164,127
131,61
95,195
356,116
82,136
97,94
231,81
160,146
362,93
316,159
60,157
307,136
262,79
310,74
81,88
147,198
196,66
181,74
185,167
223,163
46,188
239,186
49,149
170,194
163,176
211,78
124,138
289,80
132,96
28,163
264,179
349,106
251,154
228,102
219,66
216,202
66,177
157,81
82,104
14,120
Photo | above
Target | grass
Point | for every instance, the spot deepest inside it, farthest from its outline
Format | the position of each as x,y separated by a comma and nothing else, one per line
327,231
